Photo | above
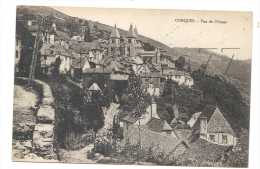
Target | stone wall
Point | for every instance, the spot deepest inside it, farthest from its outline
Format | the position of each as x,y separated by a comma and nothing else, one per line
43,136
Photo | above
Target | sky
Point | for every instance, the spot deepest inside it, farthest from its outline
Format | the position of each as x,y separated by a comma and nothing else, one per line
163,25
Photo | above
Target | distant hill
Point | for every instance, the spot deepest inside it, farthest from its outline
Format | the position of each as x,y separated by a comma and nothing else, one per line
239,71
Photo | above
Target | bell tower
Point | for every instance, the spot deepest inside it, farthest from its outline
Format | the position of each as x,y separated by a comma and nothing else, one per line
130,44
113,42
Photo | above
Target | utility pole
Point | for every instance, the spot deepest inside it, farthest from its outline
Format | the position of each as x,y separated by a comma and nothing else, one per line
206,65
229,64
35,50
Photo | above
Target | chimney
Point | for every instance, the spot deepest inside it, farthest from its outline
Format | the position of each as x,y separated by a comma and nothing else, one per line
154,109
203,126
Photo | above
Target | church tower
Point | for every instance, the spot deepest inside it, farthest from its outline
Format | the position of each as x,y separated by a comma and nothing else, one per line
138,41
113,42
130,44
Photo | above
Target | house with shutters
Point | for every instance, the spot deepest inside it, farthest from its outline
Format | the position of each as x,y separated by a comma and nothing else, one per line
212,126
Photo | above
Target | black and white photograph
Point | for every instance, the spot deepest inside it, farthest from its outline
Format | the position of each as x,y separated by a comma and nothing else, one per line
131,86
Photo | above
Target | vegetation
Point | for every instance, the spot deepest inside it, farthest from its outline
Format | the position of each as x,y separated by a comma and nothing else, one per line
206,90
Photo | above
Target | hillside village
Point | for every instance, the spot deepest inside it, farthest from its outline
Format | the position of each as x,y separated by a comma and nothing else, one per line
99,66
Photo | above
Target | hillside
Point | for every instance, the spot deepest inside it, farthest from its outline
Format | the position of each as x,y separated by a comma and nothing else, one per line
238,73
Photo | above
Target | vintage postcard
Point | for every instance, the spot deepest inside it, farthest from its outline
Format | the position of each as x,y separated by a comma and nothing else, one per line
132,86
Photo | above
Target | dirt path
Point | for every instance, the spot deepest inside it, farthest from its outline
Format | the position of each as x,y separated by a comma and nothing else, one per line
80,156
23,101
76,156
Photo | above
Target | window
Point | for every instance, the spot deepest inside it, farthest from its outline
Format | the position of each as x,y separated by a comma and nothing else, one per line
129,40
168,133
212,138
16,54
113,40
51,52
126,125
224,139
45,57
16,42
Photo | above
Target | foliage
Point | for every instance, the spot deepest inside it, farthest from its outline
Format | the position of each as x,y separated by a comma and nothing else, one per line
27,50
135,98
92,111
180,63
87,36
148,47
206,90
56,66
72,26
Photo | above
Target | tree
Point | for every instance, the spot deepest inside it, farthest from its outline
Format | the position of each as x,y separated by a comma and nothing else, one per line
92,111
27,50
50,18
148,47
72,26
180,63
56,66
87,37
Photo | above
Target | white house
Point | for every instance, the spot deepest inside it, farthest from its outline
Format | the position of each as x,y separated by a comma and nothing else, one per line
213,126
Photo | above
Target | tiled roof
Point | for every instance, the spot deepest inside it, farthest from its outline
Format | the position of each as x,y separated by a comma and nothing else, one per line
119,76
78,62
150,139
62,35
87,46
158,125
204,150
131,118
62,52
183,134
173,72
94,87
216,121
193,119
131,33
97,70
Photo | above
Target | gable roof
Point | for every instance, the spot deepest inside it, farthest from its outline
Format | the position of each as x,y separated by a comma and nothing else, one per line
62,52
158,125
78,62
216,121
62,35
183,134
94,87
193,119
204,150
131,118
150,139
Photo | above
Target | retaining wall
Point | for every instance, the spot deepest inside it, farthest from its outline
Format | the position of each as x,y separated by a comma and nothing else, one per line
43,139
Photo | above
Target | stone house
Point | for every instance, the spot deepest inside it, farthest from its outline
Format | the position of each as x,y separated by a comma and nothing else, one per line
149,121
213,126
